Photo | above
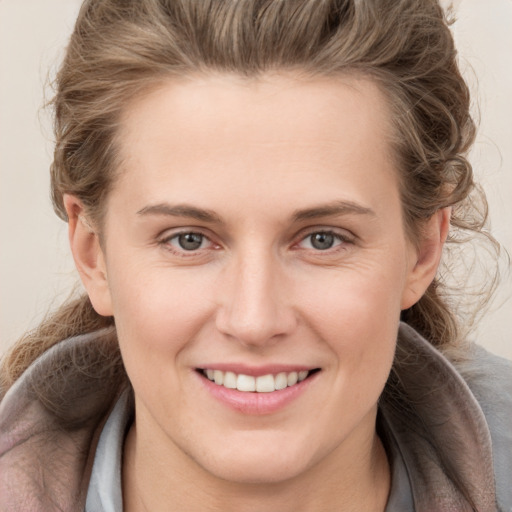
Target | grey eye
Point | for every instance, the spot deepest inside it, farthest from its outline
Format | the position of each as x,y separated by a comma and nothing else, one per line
190,241
322,241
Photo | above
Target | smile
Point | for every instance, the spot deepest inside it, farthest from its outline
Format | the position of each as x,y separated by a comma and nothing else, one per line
262,384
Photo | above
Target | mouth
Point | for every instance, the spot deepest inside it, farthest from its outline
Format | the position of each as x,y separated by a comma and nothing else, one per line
252,384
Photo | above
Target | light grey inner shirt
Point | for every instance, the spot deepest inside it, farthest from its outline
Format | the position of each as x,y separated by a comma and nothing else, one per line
105,490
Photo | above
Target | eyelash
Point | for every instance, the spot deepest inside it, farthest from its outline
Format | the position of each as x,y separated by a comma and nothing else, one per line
166,243
342,240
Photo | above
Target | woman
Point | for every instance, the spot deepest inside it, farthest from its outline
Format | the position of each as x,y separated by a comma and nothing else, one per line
258,192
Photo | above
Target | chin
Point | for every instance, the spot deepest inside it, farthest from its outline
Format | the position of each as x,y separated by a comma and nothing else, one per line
255,473
261,463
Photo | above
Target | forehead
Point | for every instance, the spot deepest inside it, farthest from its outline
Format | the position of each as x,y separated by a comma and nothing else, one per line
276,102
226,134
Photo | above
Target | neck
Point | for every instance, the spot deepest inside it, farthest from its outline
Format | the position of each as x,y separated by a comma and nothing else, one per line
351,483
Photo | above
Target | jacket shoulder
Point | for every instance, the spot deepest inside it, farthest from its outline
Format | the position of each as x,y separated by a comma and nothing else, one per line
490,379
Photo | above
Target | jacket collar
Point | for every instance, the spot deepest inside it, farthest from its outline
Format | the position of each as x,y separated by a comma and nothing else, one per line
50,422
434,421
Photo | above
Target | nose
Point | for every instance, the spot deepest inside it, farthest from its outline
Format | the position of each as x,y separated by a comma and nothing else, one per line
255,308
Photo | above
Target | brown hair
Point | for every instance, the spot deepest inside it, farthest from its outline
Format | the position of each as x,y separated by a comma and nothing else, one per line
121,49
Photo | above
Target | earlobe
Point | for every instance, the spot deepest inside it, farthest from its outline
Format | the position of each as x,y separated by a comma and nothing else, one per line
88,256
427,257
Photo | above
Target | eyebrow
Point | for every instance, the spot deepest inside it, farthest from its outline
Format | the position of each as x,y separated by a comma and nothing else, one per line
203,215
332,209
181,210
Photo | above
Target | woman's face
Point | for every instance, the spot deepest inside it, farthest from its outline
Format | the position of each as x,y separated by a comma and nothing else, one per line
255,236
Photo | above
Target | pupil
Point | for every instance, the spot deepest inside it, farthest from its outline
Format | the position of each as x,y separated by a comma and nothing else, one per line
322,241
190,241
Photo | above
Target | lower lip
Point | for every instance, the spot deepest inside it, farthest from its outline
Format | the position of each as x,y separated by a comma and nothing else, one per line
257,403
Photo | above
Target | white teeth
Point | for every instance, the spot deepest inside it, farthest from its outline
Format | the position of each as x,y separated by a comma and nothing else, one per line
245,383
292,378
230,380
302,375
281,380
261,384
265,384
218,377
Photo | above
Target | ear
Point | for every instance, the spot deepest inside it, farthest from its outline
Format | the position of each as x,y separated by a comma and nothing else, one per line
426,257
88,255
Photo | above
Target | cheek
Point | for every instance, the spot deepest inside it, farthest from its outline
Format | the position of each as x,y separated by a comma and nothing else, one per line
361,330
355,299
158,314
357,314
151,298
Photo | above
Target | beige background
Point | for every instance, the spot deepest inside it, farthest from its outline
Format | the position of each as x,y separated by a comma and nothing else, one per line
36,271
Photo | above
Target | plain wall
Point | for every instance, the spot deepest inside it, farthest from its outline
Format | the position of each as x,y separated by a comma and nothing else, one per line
36,270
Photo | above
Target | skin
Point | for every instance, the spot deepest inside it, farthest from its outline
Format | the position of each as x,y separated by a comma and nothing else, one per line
253,153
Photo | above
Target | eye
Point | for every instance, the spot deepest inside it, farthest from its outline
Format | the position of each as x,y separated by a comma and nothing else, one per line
188,241
322,240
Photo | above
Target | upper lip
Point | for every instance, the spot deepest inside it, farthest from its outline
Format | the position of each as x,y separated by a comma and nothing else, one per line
257,371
